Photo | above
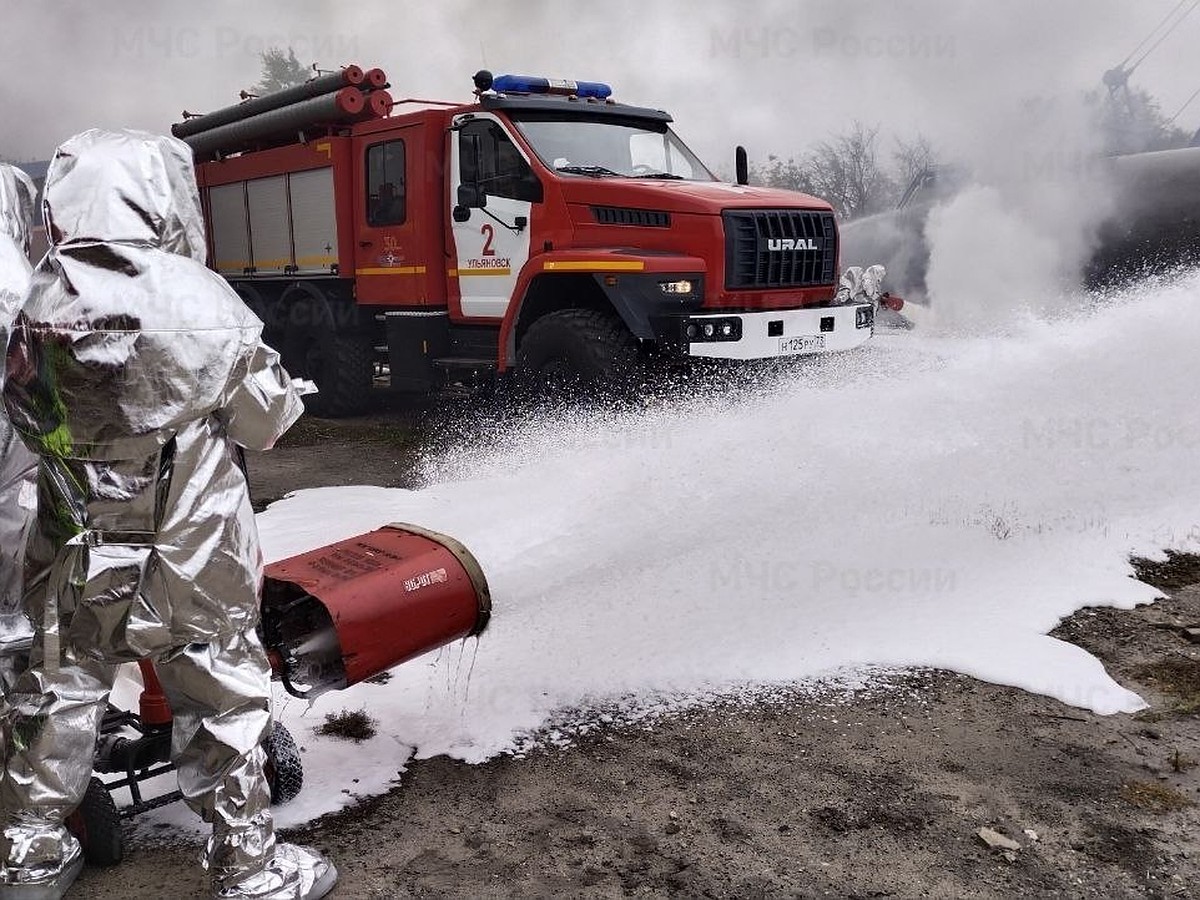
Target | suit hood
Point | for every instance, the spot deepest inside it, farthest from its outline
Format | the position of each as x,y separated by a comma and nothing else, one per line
124,187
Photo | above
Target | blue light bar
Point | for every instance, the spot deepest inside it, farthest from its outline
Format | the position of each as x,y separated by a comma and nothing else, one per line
531,84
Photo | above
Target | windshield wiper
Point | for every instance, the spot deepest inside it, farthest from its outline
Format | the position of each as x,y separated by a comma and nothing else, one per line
669,175
587,170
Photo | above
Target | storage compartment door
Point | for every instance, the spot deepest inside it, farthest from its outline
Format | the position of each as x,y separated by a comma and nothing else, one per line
231,240
314,221
270,228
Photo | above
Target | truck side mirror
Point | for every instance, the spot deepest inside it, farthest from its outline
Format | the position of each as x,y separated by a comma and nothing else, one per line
472,196
741,165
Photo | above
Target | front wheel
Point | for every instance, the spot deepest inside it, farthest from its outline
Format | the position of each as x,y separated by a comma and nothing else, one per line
572,349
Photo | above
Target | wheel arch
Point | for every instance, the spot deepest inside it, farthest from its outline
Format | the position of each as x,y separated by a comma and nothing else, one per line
263,299
551,291
320,303
622,281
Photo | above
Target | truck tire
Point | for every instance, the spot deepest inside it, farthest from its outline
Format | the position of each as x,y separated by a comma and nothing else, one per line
342,365
570,349
343,368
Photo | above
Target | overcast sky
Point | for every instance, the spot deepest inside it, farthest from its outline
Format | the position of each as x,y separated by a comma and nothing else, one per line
774,75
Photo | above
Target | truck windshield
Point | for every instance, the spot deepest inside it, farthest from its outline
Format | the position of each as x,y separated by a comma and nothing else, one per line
629,149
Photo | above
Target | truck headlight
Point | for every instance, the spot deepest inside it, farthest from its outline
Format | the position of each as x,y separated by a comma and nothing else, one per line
864,317
677,288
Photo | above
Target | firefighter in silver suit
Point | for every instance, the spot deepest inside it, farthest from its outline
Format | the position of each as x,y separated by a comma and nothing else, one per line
134,373
17,497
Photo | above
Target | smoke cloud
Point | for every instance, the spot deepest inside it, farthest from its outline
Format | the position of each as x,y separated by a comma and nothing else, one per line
991,84
1019,234
775,75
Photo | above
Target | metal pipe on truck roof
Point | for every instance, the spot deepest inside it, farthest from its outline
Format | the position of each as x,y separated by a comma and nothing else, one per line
340,108
374,79
351,76
378,105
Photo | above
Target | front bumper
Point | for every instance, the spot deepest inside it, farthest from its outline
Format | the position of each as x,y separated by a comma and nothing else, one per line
776,333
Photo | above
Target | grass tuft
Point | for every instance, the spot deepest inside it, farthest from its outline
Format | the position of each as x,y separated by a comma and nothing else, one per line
351,725
1177,677
1154,797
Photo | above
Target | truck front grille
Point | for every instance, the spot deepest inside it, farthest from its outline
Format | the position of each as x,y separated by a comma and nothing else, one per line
779,248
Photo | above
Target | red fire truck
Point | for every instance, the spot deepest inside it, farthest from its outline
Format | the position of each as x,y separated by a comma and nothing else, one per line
543,229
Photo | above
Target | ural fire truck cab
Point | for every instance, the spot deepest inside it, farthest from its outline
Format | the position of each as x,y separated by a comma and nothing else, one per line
543,230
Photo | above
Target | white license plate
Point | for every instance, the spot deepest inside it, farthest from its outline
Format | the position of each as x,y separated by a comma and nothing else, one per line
805,343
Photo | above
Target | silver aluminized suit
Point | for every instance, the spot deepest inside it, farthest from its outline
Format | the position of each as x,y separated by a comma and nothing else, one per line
17,195
133,371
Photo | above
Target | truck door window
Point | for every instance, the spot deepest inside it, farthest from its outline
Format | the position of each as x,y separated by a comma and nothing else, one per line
386,196
489,158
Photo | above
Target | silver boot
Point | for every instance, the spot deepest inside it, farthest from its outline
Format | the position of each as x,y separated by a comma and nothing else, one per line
43,862
296,873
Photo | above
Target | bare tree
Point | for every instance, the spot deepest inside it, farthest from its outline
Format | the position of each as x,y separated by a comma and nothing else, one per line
788,174
913,158
1130,121
280,70
845,171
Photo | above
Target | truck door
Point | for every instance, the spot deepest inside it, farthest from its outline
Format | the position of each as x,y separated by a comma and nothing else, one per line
491,243
390,258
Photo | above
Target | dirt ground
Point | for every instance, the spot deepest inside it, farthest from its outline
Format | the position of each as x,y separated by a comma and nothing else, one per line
878,795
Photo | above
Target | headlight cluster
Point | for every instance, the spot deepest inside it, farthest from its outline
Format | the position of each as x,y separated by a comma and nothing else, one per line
677,288
864,317
701,330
